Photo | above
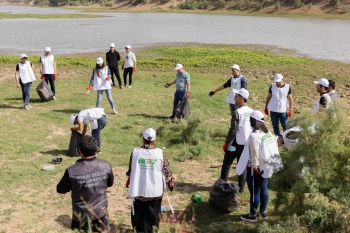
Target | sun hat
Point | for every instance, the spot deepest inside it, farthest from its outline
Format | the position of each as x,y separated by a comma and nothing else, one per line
47,49
111,45
72,118
257,115
99,60
149,134
23,55
235,66
242,92
278,78
128,46
178,66
324,82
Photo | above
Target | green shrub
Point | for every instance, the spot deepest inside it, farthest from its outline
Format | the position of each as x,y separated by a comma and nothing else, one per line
297,3
277,6
204,4
257,6
108,4
309,5
219,4
188,5
267,3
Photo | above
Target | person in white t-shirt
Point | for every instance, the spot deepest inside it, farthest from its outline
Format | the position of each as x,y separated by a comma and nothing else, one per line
97,119
101,81
48,70
324,101
331,91
129,65
279,102
24,76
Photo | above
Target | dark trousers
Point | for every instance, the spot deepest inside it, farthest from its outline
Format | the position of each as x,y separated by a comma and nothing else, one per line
146,216
178,96
226,164
127,71
96,133
26,87
115,71
97,225
49,78
281,117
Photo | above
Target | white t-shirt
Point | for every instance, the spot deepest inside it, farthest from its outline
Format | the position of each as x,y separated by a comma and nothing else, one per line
129,59
48,64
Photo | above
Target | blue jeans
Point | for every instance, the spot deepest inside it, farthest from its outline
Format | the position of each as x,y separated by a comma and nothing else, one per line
279,116
49,78
178,96
109,97
95,133
26,87
259,194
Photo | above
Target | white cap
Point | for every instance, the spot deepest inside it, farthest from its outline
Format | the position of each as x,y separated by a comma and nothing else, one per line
178,66
235,66
128,46
257,115
47,49
23,55
278,78
72,118
324,82
242,92
149,134
99,60
111,45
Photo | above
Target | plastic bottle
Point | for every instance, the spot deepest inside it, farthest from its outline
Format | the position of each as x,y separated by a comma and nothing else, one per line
165,208
231,148
196,198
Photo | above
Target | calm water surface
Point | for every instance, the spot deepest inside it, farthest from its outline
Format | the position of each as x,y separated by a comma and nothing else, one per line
315,38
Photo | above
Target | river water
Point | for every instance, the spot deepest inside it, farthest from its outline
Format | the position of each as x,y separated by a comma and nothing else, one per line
314,38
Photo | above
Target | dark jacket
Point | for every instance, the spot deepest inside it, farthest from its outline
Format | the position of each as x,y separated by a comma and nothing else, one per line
112,58
88,180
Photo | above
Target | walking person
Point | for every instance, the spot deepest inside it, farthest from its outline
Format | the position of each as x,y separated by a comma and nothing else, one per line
183,87
331,91
278,101
24,77
101,81
112,59
237,136
48,70
263,161
94,116
129,65
88,180
148,172
324,100
236,82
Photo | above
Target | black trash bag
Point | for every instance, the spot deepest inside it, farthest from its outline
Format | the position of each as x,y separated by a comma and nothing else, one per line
73,149
44,91
224,196
182,109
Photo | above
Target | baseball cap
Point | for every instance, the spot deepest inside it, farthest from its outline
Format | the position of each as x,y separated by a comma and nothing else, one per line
23,55
128,46
324,82
149,134
235,66
47,49
242,92
278,78
257,115
99,60
178,66
111,45
72,118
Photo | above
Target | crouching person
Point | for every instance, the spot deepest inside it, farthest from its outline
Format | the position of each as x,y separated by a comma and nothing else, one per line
148,171
88,180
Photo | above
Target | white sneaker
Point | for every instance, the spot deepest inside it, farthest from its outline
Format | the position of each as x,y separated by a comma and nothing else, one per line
26,108
129,86
114,111
29,106
54,97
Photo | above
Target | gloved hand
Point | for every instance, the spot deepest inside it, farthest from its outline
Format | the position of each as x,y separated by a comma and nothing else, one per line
167,85
266,111
257,171
89,88
134,69
212,93
290,112
108,78
171,184
188,94
72,129
54,76
127,183
224,147
42,77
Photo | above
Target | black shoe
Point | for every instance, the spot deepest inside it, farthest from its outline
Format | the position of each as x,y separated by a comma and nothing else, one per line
241,190
248,218
172,117
262,215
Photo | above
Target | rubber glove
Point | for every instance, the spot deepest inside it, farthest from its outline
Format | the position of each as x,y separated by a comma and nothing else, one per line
54,76
108,78
135,69
224,147
188,94
171,184
42,77
127,183
72,129
290,112
212,92
266,111
167,85
257,171
89,88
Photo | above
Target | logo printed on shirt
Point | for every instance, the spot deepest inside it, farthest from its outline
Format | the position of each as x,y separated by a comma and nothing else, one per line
267,138
148,164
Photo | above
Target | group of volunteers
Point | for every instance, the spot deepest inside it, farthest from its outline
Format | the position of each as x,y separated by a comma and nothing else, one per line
248,140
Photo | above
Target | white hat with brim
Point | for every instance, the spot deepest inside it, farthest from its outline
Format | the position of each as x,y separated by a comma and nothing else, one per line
178,66
324,82
278,78
242,92
99,60
72,118
149,134
47,49
111,45
235,66
257,115
128,46
23,55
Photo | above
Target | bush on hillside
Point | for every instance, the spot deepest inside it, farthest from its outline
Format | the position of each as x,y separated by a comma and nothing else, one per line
189,5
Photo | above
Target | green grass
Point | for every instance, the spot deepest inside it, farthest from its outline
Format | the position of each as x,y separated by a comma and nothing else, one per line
28,140
9,15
